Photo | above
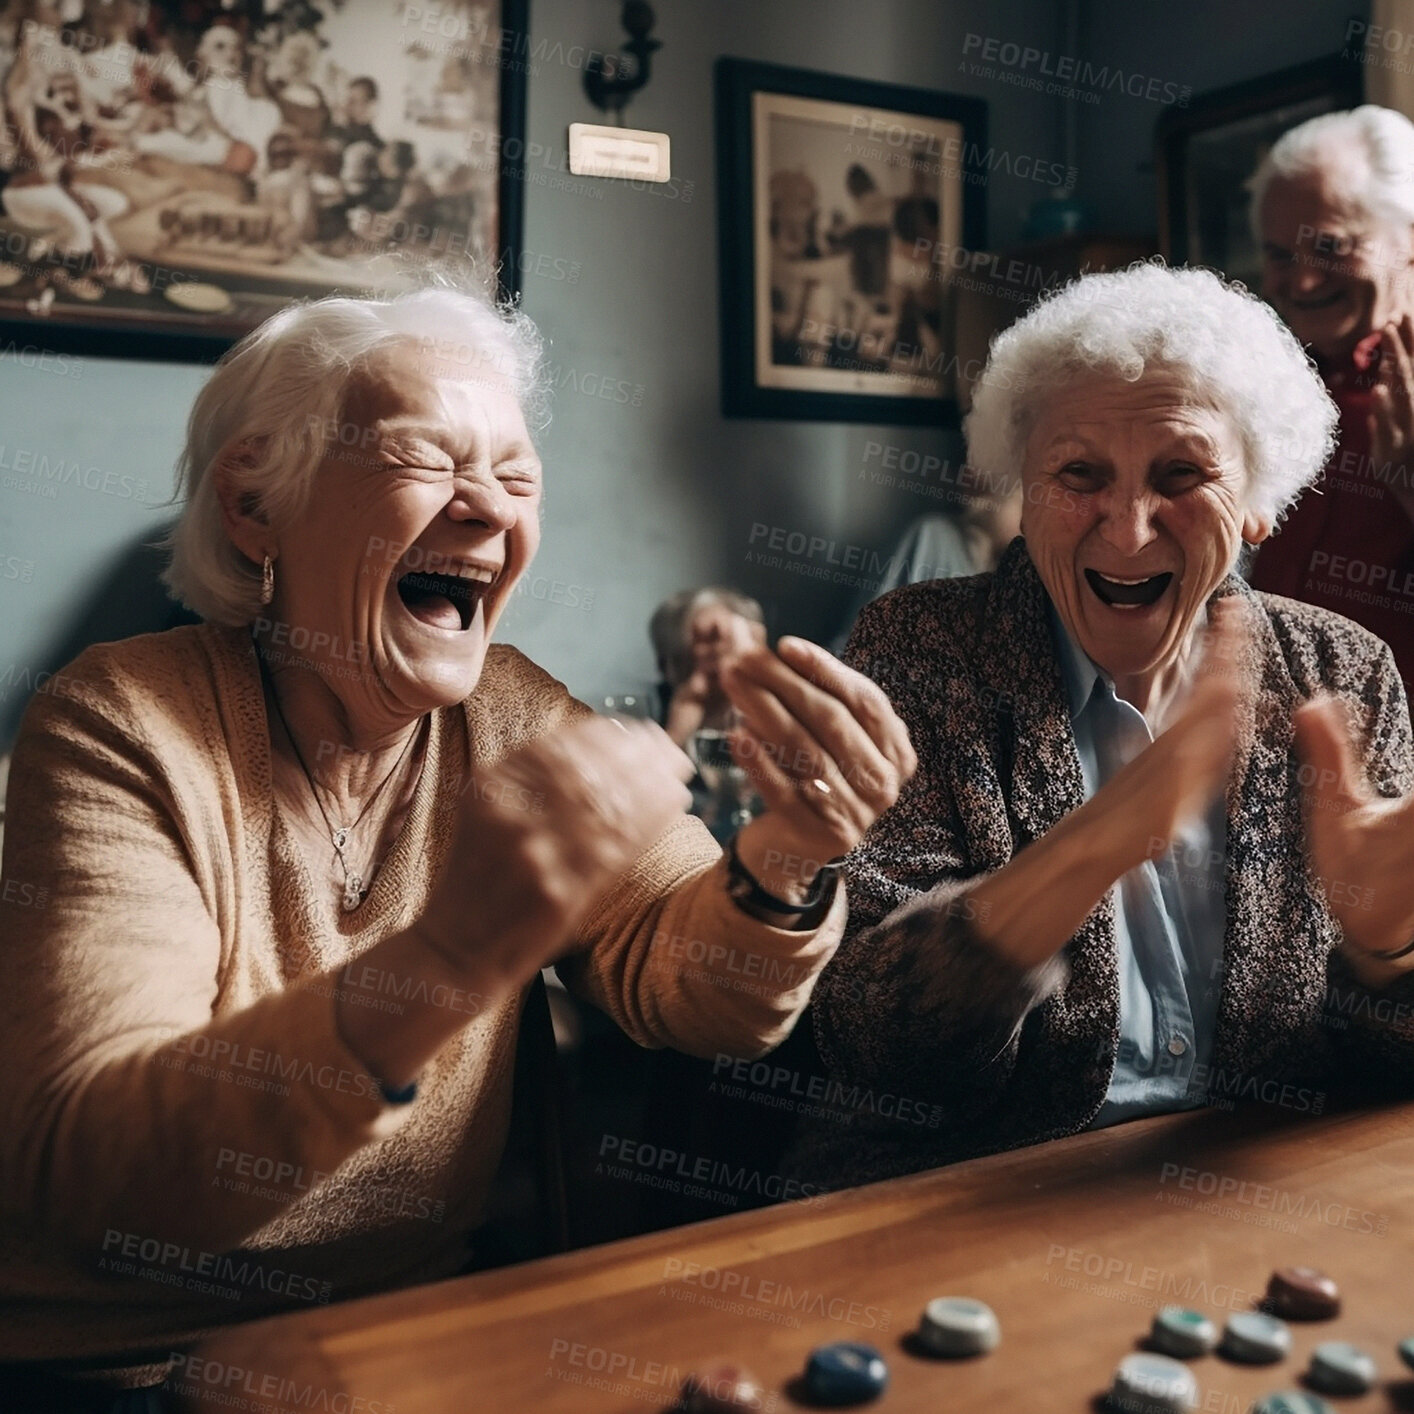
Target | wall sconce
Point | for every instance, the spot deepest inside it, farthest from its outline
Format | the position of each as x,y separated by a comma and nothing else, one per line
609,81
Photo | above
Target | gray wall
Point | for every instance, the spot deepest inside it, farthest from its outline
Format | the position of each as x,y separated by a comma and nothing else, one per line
659,492
1201,44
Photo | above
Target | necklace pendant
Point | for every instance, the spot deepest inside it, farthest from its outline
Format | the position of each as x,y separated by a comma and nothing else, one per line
341,837
353,892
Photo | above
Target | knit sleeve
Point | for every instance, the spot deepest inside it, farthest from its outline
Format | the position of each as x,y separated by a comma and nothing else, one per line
122,1089
675,962
914,999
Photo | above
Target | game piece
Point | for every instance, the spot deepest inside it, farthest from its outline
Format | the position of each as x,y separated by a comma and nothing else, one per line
847,1372
957,1325
1183,1333
1152,1384
1337,1367
1406,1350
720,1388
1255,1338
1302,1294
1292,1401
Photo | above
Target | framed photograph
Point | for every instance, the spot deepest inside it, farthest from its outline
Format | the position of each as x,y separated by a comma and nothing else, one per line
174,171
844,205
1206,155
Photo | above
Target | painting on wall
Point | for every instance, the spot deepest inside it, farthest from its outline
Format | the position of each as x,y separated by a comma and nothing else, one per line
1207,152
174,171
845,205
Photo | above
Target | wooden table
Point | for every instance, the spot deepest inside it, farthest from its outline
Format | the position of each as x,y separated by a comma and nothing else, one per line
1075,1244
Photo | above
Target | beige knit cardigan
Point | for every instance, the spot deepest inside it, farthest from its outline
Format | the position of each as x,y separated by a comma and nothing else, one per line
184,1139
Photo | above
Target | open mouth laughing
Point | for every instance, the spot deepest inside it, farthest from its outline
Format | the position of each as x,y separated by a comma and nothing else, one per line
448,600
1116,593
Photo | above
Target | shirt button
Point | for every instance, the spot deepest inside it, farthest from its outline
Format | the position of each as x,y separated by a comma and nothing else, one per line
1177,1046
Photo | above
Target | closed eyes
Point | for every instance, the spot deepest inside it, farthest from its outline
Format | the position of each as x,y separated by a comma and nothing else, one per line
1172,479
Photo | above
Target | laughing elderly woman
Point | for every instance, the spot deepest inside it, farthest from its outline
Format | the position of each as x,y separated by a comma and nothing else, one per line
1066,921
301,863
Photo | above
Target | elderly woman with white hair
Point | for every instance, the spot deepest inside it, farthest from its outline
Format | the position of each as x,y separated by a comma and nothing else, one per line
1092,901
288,874
1333,212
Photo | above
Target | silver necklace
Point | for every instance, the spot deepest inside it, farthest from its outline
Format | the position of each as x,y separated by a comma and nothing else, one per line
355,890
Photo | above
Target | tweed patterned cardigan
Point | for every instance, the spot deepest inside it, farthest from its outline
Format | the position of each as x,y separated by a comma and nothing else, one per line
913,1005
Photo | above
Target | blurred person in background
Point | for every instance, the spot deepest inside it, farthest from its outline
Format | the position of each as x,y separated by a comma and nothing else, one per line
945,545
696,633
1333,212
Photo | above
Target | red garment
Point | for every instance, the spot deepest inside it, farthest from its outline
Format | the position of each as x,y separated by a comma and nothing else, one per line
1347,544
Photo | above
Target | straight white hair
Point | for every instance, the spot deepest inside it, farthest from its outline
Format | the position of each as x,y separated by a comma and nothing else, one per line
1225,345
1385,139
273,409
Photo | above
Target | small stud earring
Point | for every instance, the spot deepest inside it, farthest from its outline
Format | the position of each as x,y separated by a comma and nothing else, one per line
267,581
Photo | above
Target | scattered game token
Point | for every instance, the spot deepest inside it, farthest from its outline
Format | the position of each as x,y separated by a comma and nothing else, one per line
957,1325
1406,1350
1292,1401
1337,1367
720,1388
1152,1384
1302,1294
1255,1338
847,1372
1182,1332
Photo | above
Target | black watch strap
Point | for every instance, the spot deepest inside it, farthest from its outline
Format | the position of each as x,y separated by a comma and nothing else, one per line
753,900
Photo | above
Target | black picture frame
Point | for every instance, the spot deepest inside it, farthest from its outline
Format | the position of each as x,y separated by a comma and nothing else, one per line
165,337
747,383
1204,154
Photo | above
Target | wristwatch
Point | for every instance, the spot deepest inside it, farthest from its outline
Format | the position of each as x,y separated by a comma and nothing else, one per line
754,901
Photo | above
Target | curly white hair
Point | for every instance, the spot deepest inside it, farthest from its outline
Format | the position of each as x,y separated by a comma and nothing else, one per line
1229,347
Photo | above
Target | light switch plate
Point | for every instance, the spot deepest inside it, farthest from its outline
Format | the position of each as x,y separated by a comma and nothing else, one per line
597,151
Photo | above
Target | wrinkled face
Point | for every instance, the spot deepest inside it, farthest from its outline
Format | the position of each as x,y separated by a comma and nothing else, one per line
1331,270
424,514
1134,512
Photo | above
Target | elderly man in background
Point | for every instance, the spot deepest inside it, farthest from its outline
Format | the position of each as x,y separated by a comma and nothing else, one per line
1333,210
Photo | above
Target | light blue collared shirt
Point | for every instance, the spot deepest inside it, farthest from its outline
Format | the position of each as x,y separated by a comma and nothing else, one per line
1170,916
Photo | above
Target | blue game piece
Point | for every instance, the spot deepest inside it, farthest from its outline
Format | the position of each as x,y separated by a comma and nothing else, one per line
846,1372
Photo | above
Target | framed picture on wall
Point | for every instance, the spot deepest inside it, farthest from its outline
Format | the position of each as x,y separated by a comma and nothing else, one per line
174,171
844,205
1206,155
